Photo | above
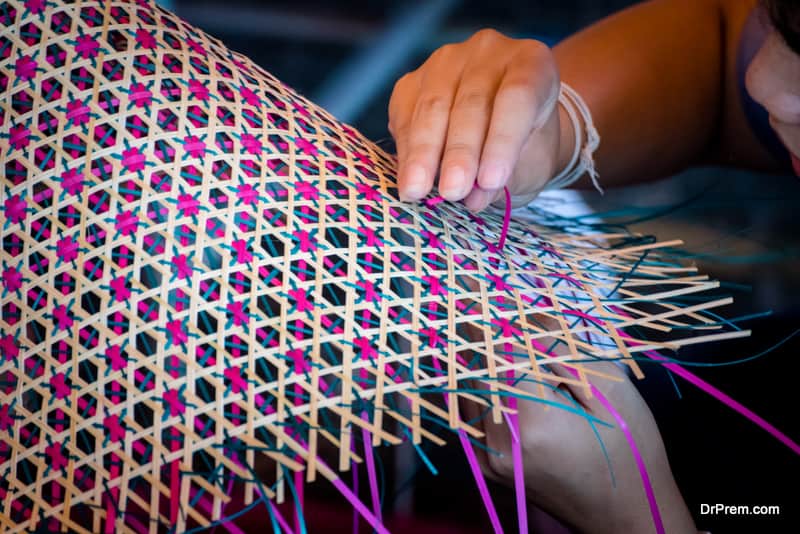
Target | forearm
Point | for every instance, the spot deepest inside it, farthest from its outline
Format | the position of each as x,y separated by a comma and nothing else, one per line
653,77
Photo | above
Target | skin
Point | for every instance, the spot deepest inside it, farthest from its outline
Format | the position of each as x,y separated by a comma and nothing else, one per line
481,114
584,495
661,83
773,80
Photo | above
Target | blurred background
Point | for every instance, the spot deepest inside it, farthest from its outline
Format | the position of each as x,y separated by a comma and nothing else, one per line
346,55
739,227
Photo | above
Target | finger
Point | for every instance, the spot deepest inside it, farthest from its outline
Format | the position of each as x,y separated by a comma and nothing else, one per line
537,162
583,393
525,99
563,378
469,121
498,443
494,457
401,110
428,129
478,199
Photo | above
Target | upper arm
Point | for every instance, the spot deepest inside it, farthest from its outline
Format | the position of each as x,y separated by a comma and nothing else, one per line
652,78
661,81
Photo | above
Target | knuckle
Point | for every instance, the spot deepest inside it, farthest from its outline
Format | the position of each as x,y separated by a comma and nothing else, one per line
502,139
442,53
517,88
422,148
459,151
535,67
500,465
433,104
472,99
399,131
532,46
534,443
404,82
488,35
446,49
396,124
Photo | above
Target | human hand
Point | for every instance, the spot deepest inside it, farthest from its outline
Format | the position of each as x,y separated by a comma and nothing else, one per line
481,114
566,472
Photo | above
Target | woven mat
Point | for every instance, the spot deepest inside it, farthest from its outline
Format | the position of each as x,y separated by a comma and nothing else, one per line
200,267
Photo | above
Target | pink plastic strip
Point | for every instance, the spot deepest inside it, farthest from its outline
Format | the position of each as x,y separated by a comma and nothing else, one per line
299,510
358,505
637,456
372,476
136,525
516,444
519,472
371,473
480,481
355,502
511,427
207,506
714,392
230,526
222,512
728,401
276,512
506,219
475,467
299,368
717,394
278,516
174,480
643,474
354,469
519,482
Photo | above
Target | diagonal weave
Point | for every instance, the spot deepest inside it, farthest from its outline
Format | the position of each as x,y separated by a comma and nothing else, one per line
200,267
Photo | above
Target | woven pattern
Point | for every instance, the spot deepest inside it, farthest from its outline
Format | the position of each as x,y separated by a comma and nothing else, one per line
200,267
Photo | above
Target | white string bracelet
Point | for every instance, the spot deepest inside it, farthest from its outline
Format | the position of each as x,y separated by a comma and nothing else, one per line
582,160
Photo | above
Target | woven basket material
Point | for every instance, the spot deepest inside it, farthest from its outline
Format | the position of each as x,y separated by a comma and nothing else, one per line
200,267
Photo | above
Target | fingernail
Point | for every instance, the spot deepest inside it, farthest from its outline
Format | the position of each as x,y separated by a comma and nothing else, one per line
453,183
492,176
414,187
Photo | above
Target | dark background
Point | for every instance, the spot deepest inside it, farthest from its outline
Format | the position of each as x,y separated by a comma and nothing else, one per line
743,229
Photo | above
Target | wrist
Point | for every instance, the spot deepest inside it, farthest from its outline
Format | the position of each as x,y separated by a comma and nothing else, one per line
566,141
575,115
